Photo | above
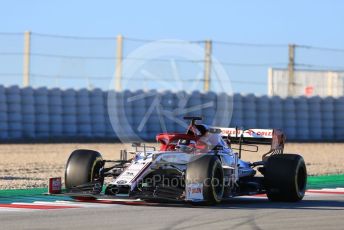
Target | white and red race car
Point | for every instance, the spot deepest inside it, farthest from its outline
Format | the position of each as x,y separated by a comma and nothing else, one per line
201,165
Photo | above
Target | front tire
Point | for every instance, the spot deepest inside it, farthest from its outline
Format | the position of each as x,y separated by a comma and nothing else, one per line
207,170
83,167
285,177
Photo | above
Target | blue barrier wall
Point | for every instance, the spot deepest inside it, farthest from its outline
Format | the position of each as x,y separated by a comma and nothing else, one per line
55,114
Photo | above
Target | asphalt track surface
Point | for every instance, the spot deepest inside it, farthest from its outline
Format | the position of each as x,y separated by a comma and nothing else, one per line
324,211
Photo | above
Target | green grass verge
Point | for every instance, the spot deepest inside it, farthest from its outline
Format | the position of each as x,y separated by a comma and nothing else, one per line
326,181
23,192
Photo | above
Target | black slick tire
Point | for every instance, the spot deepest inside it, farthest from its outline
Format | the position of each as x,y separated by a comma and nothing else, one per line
83,167
285,177
207,170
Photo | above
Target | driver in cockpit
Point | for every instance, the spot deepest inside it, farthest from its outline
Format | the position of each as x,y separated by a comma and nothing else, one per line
189,146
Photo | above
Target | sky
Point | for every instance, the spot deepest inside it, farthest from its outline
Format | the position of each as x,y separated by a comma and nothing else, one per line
315,23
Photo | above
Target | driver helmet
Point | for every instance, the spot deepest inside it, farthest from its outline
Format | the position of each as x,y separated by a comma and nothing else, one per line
186,145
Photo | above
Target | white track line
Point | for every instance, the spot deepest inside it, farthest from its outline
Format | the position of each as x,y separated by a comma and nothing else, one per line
333,189
70,203
17,210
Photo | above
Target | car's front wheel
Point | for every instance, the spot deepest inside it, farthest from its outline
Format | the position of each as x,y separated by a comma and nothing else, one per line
83,167
207,172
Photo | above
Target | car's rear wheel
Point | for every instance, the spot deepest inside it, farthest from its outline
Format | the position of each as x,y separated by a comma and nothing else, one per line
285,177
207,171
83,167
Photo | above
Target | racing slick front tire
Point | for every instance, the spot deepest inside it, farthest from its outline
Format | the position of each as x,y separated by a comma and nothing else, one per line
83,167
285,177
207,170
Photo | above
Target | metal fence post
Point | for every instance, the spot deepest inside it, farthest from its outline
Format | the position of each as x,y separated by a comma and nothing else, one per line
270,82
119,57
207,65
291,67
26,66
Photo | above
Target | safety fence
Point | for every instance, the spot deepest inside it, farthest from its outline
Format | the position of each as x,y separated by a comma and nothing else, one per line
36,59
56,115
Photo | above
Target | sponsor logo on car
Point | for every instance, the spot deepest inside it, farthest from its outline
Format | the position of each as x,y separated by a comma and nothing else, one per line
264,133
194,192
55,185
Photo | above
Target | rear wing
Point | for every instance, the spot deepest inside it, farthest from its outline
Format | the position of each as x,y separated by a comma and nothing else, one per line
274,137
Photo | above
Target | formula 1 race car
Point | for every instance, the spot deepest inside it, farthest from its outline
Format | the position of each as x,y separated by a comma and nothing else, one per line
200,165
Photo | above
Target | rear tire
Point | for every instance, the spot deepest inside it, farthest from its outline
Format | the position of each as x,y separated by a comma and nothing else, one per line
83,167
285,177
207,170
